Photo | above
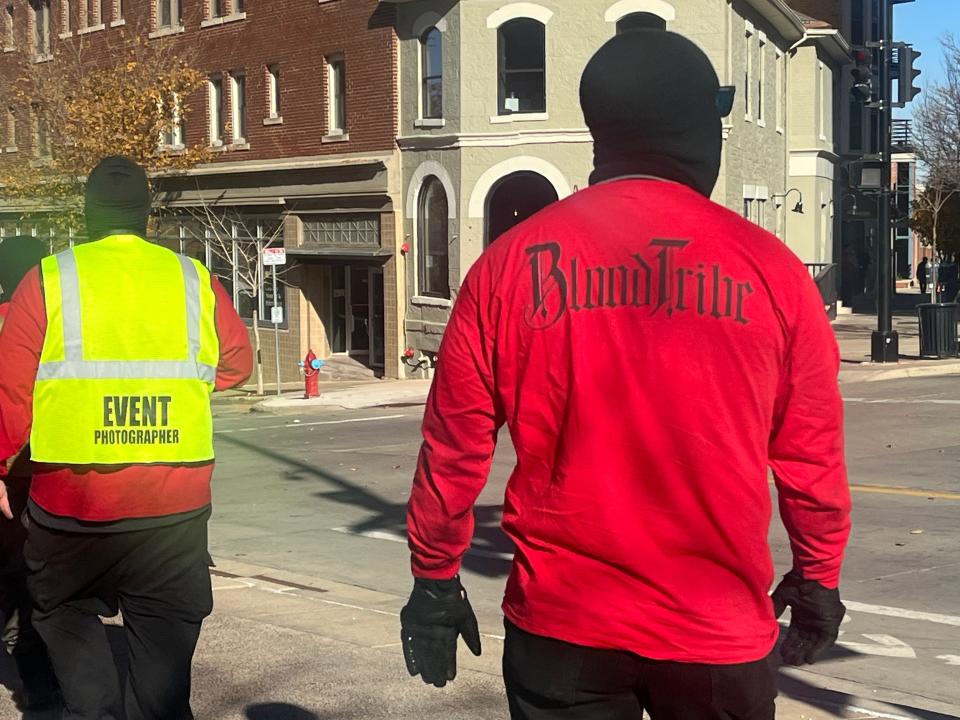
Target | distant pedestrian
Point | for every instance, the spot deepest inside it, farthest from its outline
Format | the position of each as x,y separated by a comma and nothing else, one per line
110,353
653,354
18,255
922,269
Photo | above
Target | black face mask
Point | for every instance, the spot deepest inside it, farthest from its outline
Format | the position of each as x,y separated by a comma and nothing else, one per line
650,99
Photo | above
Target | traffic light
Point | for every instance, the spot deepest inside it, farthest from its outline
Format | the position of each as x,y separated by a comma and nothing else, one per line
862,75
906,74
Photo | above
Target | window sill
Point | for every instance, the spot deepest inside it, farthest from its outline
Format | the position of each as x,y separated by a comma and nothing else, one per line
62,36
780,130
173,149
91,29
223,20
240,144
336,138
9,49
519,117
37,59
430,123
167,31
40,162
748,118
218,147
273,120
424,301
118,23
11,149
761,123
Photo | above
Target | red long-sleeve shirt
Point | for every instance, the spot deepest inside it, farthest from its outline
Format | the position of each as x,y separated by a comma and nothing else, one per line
102,494
652,354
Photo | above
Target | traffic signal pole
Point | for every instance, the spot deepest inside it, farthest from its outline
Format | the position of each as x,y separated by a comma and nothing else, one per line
885,342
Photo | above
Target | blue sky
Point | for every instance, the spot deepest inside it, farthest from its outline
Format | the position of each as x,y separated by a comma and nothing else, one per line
922,23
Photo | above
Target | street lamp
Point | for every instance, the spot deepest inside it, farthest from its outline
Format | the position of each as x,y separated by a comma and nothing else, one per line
798,208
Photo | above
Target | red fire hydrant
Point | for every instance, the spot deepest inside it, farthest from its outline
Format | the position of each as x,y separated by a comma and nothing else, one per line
311,375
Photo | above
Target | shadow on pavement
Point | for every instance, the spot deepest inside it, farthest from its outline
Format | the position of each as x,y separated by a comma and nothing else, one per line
491,552
279,711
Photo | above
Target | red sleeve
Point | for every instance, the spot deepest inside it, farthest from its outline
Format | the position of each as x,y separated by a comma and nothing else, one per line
806,450
236,354
21,342
459,437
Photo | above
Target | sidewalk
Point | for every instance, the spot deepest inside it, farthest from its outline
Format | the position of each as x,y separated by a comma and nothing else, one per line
285,647
353,396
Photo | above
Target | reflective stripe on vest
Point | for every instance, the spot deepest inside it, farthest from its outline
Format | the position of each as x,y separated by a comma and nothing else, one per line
102,399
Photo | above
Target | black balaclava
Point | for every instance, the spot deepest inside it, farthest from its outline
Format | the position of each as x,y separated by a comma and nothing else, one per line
650,100
117,199
18,255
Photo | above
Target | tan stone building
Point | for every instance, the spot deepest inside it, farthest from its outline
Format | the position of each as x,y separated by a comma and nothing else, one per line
490,128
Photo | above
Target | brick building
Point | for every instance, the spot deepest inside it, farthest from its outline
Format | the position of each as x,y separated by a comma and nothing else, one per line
300,109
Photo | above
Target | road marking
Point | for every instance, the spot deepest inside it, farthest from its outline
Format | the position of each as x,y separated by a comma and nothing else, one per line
883,646
398,538
900,401
310,424
950,659
902,613
900,491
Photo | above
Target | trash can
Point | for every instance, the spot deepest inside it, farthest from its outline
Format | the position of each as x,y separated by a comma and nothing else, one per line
938,330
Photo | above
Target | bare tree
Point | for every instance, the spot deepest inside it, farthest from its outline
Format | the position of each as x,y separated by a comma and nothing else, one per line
936,132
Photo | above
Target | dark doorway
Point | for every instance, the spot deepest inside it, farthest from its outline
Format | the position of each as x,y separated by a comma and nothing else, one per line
640,21
514,199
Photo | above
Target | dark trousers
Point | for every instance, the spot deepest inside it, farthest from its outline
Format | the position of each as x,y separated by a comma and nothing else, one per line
548,679
158,578
20,638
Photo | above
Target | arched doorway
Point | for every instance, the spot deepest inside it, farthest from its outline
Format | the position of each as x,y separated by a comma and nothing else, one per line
514,199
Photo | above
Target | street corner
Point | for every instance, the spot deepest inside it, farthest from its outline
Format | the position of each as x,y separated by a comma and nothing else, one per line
382,393
880,372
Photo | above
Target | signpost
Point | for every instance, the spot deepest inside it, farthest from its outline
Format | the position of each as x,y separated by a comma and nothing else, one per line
272,257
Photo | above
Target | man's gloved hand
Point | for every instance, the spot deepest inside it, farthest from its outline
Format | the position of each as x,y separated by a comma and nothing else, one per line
438,611
815,616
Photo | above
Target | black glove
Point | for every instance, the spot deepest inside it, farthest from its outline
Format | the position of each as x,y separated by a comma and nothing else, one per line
815,616
437,612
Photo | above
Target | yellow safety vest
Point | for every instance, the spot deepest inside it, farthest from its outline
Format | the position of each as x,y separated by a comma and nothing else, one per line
129,359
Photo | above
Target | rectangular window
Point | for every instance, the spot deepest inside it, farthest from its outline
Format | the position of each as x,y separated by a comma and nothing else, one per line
41,133
239,6
747,205
92,13
273,91
336,96
216,111
64,17
217,8
168,14
41,27
522,67
748,75
173,134
761,78
431,71
781,89
10,121
238,107
117,10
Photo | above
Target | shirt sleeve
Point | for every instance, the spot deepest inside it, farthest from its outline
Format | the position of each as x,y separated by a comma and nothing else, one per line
807,446
236,353
21,343
460,427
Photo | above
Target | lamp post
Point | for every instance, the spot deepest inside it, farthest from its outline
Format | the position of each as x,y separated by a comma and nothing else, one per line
885,342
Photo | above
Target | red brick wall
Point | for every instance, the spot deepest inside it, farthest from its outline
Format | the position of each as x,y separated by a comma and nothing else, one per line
296,35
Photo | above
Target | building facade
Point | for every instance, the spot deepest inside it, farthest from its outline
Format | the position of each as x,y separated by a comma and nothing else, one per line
491,130
299,110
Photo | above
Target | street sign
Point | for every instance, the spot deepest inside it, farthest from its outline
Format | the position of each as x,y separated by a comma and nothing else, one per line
276,315
274,256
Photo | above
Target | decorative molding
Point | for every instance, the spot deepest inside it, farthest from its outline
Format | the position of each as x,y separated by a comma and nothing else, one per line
517,10
522,163
427,169
428,20
519,117
494,139
621,9
424,301
164,32
429,123
223,20
336,138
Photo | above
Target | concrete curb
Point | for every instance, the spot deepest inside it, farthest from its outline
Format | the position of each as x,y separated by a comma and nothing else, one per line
391,394
875,374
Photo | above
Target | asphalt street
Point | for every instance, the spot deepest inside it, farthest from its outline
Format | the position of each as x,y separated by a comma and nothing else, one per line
323,495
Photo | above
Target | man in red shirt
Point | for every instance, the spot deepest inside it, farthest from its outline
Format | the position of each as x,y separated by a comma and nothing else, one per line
17,256
652,354
131,537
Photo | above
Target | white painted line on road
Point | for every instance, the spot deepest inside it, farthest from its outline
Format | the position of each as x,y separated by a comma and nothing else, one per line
900,401
883,646
902,613
347,421
950,659
398,538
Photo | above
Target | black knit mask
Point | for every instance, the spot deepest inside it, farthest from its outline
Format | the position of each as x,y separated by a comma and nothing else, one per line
117,199
649,98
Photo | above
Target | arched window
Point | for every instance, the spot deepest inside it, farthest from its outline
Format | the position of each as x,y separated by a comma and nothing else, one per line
431,72
433,239
640,21
522,67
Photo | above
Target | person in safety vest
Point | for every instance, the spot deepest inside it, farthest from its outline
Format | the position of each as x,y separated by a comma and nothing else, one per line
110,353
653,354
17,256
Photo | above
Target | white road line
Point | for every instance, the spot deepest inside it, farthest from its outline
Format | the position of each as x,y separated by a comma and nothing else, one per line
882,645
950,659
902,613
900,401
310,424
398,538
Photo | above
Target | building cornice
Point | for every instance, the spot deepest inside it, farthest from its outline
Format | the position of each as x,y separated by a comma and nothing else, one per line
778,14
494,139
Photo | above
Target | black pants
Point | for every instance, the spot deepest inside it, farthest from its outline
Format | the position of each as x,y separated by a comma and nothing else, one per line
548,679
20,638
158,578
